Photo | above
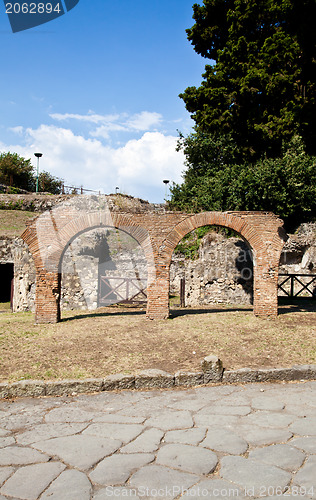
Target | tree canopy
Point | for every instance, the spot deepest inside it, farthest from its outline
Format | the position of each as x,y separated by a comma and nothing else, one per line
18,173
261,85
216,180
253,145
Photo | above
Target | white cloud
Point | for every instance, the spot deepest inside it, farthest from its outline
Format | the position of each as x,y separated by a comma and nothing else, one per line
17,130
138,167
90,117
144,120
122,122
105,130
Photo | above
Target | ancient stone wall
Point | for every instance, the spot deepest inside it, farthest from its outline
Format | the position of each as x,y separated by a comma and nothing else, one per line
96,253
158,231
223,271
15,251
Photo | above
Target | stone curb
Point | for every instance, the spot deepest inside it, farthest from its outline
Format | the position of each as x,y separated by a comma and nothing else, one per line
213,373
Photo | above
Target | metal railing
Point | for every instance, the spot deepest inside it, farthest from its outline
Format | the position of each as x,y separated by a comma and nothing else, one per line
292,285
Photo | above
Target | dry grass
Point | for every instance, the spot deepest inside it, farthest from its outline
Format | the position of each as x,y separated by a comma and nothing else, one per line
13,222
120,339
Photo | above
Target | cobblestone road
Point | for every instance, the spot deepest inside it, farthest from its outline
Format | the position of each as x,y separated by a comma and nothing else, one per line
253,441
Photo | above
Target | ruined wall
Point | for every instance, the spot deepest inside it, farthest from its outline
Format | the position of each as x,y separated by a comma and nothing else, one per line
223,271
221,274
15,251
97,253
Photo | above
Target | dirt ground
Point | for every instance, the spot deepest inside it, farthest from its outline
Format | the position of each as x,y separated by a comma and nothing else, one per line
120,339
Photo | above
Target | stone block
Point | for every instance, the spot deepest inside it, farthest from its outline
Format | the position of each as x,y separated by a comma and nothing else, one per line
212,368
118,381
4,391
304,372
240,376
189,379
152,378
69,387
26,388
268,374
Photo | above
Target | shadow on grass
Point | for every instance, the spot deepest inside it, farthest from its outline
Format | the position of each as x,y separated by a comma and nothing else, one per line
286,306
104,314
299,304
175,313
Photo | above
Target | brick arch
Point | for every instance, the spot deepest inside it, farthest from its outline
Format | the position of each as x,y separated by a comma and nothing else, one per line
158,231
48,243
263,233
91,221
240,226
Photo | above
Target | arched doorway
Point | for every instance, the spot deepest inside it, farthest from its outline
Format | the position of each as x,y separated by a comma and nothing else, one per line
101,267
211,265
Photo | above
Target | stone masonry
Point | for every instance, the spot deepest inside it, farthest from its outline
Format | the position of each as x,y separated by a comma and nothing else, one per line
158,231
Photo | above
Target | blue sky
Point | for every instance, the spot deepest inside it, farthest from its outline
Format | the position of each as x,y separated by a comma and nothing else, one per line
96,91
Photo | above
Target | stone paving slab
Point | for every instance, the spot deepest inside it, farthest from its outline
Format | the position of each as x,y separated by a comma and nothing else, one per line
119,492
47,431
14,455
281,455
79,451
187,436
251,441
117,468
304,426
5,473
29,482
226,441
218,488
124,432
70,485
253,475
187,458
307,444
147,442
306,477
155,478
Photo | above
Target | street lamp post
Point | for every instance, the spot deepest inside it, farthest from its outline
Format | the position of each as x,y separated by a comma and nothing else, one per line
166,182
38,156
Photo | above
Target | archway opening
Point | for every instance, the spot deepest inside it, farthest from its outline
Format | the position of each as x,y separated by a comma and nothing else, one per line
211,265
101,267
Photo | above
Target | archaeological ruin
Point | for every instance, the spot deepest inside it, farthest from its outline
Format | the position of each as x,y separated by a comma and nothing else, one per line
87,252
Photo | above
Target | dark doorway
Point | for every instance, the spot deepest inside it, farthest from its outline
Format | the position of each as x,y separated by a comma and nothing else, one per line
6,277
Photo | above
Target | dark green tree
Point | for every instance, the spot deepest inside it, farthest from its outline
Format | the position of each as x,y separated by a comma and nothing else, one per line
16,172
49,184
261,83
216,180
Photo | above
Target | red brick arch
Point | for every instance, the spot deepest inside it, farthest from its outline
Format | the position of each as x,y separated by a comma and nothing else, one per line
243,228
158,232
48,239
92,221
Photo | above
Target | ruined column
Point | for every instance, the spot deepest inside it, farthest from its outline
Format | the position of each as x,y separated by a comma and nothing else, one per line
158,293
265,289
48,287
